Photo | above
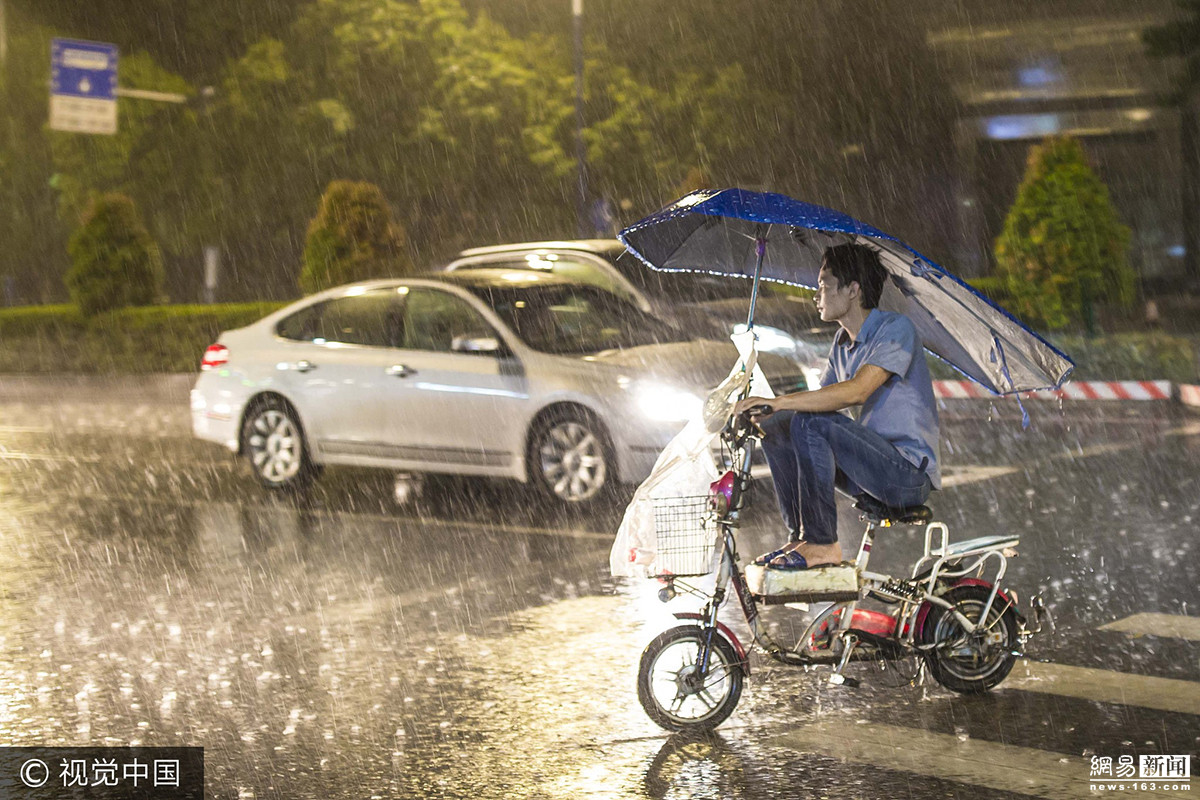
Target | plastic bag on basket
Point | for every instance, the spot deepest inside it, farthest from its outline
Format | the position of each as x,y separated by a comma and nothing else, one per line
674,498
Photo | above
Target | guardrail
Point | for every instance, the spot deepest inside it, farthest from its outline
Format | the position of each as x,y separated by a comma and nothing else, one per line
1186,394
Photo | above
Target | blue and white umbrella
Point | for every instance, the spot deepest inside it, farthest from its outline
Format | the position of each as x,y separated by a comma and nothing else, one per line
741,233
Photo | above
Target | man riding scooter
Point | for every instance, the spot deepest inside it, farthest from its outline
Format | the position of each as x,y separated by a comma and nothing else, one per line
889,452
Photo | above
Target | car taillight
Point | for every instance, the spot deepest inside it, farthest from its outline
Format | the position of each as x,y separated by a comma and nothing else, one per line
215,356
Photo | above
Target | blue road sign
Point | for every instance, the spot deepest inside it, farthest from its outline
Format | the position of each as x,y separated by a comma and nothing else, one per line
83,86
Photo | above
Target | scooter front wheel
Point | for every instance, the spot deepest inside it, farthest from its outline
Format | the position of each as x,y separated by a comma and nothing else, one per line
671,688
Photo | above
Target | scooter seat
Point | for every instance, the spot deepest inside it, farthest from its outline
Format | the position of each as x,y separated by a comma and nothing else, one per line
876,512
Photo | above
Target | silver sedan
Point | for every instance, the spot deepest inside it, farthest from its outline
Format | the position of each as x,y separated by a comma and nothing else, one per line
505,373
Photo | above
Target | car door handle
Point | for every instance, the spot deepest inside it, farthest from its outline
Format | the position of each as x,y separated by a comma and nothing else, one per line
304,366
400,371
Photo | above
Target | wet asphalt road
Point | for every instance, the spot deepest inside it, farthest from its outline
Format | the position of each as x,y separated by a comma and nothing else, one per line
471,644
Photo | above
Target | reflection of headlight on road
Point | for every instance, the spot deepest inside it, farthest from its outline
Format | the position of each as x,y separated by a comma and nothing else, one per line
770,340
666,403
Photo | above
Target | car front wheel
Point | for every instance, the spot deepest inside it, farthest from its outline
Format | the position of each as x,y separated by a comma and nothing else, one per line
273,443
570,458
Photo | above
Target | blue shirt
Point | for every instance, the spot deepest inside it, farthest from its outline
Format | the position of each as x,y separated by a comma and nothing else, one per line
903,410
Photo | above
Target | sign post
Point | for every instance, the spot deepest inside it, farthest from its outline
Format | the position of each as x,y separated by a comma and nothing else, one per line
83,86
212,262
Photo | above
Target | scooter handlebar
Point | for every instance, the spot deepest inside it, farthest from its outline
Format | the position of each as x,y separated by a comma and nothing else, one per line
744,424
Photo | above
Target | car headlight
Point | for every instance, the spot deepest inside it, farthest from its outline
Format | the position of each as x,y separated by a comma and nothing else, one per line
812,377
770,340
663,403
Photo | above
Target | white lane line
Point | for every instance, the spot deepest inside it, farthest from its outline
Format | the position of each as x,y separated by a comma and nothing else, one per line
10,455
1105,686
977,762
961,475
1175,626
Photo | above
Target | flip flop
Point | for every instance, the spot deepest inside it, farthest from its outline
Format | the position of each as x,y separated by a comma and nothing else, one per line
791,561
767,558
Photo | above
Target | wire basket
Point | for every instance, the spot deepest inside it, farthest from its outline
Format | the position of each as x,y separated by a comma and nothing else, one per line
685,536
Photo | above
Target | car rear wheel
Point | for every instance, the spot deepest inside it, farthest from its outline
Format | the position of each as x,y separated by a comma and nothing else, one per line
570,458
273,443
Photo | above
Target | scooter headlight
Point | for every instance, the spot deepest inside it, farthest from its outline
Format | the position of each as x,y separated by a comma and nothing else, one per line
721,493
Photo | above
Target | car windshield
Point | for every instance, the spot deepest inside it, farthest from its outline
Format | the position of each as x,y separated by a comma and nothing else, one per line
575,319
680,287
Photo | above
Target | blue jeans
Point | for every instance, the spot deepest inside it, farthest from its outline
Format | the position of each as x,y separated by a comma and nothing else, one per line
811,453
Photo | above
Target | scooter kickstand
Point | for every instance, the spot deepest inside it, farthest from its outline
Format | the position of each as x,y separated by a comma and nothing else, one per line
849,642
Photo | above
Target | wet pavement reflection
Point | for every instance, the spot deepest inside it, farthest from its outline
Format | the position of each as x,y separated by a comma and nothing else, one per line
470,643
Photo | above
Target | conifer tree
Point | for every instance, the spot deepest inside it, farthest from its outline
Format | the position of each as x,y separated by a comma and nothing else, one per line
114,261
352,238
1063,249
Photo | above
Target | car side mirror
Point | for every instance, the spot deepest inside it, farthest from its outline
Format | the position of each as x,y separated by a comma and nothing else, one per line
482,345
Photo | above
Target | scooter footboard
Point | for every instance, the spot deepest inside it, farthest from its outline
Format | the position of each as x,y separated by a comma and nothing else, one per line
836,583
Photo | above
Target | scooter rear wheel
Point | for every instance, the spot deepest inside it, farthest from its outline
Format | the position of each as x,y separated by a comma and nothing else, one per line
970,663
672,692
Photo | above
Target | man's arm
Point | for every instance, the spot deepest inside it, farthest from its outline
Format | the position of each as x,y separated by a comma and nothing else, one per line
834,397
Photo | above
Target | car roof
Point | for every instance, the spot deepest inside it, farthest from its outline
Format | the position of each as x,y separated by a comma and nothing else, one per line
498,278
604,247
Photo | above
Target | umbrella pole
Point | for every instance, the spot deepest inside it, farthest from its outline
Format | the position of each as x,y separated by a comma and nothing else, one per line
760,249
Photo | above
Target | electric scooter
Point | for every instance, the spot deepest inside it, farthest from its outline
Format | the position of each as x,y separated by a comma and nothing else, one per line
953,613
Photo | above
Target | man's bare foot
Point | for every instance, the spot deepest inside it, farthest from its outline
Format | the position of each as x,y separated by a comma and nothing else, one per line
816,555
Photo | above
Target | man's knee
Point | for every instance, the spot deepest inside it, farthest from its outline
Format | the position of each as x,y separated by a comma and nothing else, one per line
805,422
776,426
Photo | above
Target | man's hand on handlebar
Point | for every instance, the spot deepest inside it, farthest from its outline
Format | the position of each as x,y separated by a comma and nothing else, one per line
745,418
754,407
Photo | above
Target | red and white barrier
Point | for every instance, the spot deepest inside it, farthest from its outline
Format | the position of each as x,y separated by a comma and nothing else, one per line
959,389
1075,390
1189,395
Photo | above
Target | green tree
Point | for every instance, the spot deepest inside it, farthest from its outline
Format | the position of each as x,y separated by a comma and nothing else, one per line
114,261
352,238
33,257
467,128
1063,247
86,164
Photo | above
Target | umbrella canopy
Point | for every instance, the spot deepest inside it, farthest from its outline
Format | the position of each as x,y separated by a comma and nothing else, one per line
718,232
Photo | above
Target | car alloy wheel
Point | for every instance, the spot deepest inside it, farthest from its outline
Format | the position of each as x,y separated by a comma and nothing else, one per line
573,461
273,443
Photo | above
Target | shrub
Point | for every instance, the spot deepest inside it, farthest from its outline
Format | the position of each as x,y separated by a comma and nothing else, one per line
114,262
49,339
1131,356
994,287
1118,357
1063,248
352,238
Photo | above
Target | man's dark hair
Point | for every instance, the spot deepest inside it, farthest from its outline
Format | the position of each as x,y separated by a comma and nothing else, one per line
855,262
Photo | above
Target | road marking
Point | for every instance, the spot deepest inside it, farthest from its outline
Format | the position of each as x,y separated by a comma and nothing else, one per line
1175,626
978,762
17,456
1105,686
961,475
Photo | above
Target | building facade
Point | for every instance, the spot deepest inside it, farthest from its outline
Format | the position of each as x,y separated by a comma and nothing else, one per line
1065,69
